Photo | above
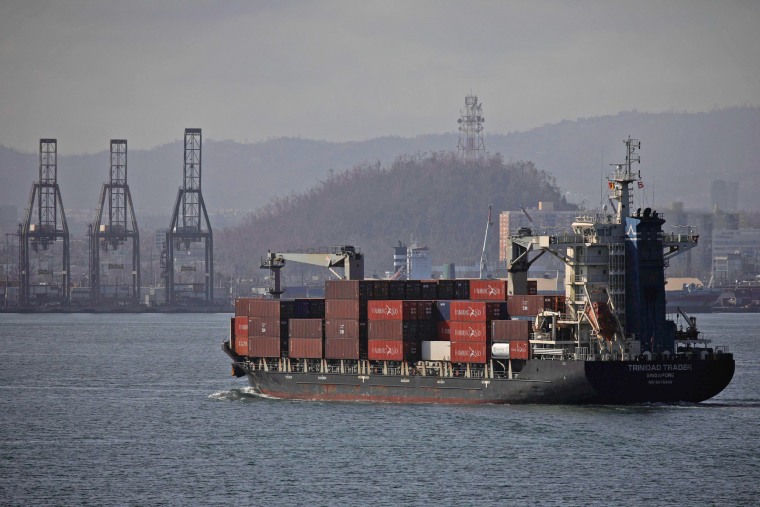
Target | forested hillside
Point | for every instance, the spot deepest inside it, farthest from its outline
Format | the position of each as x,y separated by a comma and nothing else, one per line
437,198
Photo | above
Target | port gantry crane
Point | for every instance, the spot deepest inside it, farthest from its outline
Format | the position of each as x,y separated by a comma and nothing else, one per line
113,230
189,225
347,257
44,225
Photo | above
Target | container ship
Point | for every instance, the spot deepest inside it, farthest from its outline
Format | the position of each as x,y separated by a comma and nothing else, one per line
607,340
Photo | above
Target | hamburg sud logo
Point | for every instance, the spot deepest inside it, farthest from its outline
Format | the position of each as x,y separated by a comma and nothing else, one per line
385,311
488,290
386,350
470,353
468,312
468,333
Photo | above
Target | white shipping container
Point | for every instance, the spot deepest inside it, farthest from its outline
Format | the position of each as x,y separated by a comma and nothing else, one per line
436,351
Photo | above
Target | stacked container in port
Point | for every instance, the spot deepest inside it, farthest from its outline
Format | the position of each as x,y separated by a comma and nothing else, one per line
345,317
393,330
470,329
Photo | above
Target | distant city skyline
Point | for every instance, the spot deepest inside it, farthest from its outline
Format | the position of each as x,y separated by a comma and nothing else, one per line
85,72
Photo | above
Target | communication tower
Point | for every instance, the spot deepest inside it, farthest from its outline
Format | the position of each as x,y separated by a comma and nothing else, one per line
44,237
188,256
110,232
471,145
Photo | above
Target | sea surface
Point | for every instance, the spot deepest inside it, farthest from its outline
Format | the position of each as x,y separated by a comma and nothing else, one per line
142,410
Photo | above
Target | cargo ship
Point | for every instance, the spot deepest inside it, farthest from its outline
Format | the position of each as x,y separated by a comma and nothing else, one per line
607,340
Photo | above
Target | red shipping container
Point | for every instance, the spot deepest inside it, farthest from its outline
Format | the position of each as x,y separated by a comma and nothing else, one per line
341,349
273,328
532,287
345,309
525,305
241,345
425,310
402,330
510,330
492,290
477,311
469,331
444,330
393,350
469,352
392,310
351,329
306,328
241,326
519,350
241,307
261,346
271,308
349,289
305,348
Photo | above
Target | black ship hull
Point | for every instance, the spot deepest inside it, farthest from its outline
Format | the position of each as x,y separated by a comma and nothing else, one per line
539,381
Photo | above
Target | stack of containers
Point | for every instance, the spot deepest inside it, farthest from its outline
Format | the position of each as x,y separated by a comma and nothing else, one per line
268,326
306,332
515,334
393,330
530,306
346,317
471,329
240,327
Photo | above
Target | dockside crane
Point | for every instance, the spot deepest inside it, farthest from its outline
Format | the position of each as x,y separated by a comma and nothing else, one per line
43,227
189,226
115,224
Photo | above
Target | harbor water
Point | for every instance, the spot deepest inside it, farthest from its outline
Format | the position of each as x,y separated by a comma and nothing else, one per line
142,410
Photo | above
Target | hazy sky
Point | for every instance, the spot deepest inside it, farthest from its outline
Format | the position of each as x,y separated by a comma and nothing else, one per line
88,71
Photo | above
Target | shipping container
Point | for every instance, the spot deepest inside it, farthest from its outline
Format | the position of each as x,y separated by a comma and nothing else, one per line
442,310
524,305
392,310
443,329
241,345
412,289
341,348
305,348
469,352
351,329
425,310
402,330
306,328
241,307
346,309
532,287
510,330
427,329
310,308
396,289
490,290
436,350
446,289
271,308
519,350
241,326
429,289
273,328
262,346
393,350
350,289
380,289
461,289
477,311
469,331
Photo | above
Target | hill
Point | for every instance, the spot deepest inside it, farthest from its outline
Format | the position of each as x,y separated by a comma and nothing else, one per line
682,153
437,198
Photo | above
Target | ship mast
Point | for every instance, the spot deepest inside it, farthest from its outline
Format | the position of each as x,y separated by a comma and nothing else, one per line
623,177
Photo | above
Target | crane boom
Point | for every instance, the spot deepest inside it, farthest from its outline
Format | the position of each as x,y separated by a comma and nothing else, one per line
347,257
485,241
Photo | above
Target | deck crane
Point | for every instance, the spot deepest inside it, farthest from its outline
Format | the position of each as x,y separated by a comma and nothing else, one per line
483,261
347,257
